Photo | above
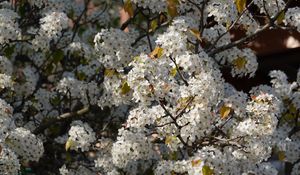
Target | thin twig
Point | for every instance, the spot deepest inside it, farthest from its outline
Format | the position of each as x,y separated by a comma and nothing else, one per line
59,118
77,22
249,37
179,72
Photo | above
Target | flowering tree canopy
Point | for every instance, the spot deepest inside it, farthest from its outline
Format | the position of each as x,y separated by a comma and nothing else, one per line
83,95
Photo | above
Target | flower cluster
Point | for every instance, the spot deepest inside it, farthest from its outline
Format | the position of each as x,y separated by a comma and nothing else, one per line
8,26
131,151
292,17
83,92
5,120
9,162
25,144
51,27
154,5
270,8
113,47
81,136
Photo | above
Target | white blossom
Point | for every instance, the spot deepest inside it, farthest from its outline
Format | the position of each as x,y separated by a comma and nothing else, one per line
81,136
25,144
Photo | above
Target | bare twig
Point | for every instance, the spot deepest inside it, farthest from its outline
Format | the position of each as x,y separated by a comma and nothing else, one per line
126,23
249,37
77,22
51,121
179,72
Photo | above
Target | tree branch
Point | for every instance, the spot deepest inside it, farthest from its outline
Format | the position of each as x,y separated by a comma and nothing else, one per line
249,37
59,118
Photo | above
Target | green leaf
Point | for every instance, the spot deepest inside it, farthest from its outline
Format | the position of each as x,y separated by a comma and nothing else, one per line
292,109
55,101
174,155
71,13
81,76
153,25
68,157
8,141
54,130
49,68
26,171
81,31
8,51
280,18
22,10
289,117
57,56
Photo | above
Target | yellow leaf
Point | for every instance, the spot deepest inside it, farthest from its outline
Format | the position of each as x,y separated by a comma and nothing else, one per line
225,111
7,111
9,141
69,144
125,88
280,18
156,53
173,72
128,7
228,24
109,72
240,5
240,62
170,139
207,171
196,33
281,155
166,87
253,97
151,88
153,25
196,162
162,18
172,8
183,102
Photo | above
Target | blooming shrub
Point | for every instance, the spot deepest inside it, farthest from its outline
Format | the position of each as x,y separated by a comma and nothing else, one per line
82,95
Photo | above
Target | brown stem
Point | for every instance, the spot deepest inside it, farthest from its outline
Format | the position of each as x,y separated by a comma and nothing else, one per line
59,118
179,72
249,37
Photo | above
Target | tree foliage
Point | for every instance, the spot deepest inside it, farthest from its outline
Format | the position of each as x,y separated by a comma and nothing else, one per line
83,94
